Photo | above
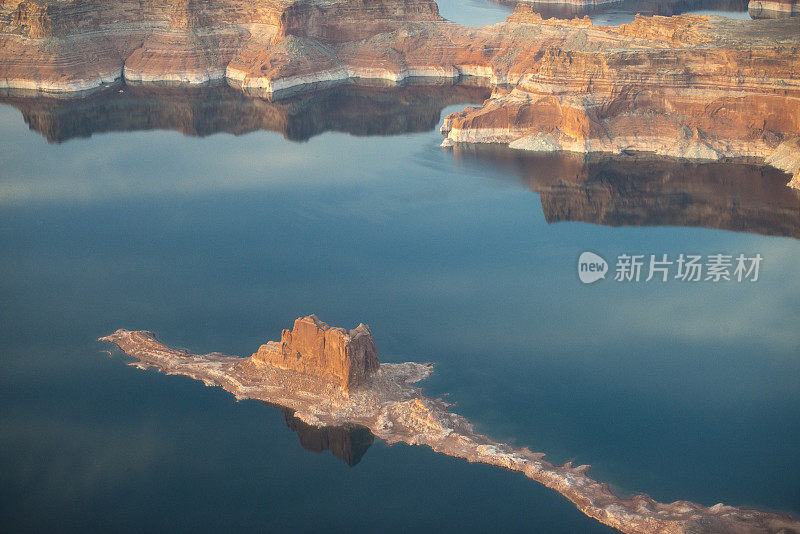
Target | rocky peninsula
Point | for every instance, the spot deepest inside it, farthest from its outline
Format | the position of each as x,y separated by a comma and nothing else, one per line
384,399
693,87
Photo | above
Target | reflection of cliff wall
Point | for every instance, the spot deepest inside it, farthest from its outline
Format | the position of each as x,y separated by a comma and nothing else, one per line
205,111
655,191
665,8
349,443
773,9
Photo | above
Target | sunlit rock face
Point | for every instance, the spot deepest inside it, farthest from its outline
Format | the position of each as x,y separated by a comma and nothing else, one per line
691,87
682,95
76,45
314,348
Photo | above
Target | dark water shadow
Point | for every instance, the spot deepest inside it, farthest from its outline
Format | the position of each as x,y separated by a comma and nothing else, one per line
204,111
348,443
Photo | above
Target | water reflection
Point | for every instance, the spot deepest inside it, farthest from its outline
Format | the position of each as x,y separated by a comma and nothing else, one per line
616,13
620,191
757,10
349,443
210,110
652,191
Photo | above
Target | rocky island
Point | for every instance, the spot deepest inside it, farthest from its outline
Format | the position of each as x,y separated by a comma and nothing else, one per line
331,377
695,87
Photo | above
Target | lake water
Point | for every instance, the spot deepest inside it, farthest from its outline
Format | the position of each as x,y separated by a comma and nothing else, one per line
478,13
144,211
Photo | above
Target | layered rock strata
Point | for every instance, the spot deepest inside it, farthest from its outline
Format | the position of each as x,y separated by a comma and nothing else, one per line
393,409
687,86
691,96
346,357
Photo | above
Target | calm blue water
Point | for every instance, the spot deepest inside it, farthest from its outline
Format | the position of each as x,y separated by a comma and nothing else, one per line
477,13
683,391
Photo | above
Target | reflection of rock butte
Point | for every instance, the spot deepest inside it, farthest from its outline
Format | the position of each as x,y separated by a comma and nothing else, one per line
345,357
395,410
347,442
691,87
204,111
652,191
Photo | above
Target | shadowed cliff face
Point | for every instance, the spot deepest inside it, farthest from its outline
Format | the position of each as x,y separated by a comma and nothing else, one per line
206,111
650,191
348,443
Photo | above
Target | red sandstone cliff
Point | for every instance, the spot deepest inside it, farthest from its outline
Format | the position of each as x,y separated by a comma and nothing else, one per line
692,87
314,348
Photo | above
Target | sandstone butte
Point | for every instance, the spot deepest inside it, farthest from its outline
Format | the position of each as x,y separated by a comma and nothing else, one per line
312,347
698,87
329,377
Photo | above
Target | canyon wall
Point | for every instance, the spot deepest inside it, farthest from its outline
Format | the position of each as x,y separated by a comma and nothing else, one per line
694,87
578,8
683,88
